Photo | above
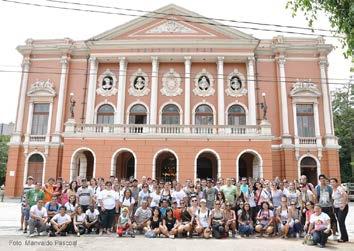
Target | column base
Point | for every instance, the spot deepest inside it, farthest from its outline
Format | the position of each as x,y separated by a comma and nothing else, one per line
70,125
56,138
331,141
286,140
265,127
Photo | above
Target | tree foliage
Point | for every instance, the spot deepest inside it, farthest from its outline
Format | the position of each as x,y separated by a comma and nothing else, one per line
3,157
343,114
340,13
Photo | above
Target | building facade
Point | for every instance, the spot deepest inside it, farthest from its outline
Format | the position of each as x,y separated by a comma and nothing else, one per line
171,97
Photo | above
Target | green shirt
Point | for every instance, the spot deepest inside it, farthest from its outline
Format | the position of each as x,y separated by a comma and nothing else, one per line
229,192
33,196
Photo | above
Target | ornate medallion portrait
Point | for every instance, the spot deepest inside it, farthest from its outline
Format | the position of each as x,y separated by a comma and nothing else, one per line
139,84
171,82
204,82
107,84
236,84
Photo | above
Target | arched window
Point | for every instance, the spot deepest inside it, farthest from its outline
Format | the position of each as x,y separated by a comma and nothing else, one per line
204,115
170,115
138,114
236,115
308,167
105,114
35,167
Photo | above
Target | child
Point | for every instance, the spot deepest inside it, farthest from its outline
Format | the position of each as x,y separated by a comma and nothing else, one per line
124,224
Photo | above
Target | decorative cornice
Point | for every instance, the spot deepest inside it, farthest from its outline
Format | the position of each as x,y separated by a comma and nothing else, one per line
305,89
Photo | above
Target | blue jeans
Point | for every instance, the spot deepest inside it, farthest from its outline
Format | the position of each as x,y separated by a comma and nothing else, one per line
245,229
25,212
297,228
320,237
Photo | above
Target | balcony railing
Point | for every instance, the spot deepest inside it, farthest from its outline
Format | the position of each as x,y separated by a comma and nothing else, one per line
133,129
307,140
37,138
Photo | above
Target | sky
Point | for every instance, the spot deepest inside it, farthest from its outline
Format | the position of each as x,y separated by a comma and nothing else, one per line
19,22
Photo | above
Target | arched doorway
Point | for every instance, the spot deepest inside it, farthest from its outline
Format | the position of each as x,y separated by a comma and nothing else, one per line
308,167
124,165
207,166
166,166
35,167
83,162
249,165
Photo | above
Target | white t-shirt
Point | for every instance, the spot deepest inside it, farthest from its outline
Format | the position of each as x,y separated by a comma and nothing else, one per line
203,217
178,196
126,202
92,215
109,198
320,221
155,199
40,213
69,207
61,219
143,196
80,217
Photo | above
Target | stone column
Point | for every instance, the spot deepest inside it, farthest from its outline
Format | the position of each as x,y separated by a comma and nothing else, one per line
221,102
284,101
187,91
47,138
119,118
16,138
325,97
91,93
62,86
252,120
29,122
153,95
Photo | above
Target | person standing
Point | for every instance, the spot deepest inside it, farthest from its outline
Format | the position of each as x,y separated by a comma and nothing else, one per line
324,197
340,205
109,202
25,208
48,189
230,192
210,194
84,195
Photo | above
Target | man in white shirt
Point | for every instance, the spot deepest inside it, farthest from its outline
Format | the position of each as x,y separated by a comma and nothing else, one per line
320,226
60,222
91,222
109,201
178,194
38,218
142,216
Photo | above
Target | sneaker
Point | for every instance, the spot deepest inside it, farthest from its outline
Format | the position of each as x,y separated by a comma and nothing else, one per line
63,234
25,231
171,236
78,234
322,246
132,235
297,236
32,235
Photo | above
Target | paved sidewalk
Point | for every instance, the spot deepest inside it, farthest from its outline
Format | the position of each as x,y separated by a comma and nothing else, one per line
12,239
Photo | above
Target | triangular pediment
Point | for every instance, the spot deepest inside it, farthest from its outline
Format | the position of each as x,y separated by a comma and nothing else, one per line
169,22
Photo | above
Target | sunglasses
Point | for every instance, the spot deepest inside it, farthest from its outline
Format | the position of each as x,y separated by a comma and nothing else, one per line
228,205
194,200
217,204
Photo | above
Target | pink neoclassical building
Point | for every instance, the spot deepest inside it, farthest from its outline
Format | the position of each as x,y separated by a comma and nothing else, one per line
170,97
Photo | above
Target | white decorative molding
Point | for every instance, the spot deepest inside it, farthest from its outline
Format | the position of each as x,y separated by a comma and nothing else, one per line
171,82
107,82
42,88
139,84
236,84
171,26
204,83
305,89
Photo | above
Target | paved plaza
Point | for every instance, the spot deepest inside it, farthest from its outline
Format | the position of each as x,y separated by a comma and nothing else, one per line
12,239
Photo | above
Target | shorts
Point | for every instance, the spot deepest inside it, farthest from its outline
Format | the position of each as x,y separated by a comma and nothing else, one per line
122,229
25,211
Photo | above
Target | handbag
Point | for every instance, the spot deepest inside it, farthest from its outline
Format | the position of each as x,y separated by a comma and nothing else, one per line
150,234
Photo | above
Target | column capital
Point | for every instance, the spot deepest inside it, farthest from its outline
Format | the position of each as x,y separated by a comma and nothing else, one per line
155,59
221,59
281,60
92,59
64,60
251,59
323,62
122,59
26,62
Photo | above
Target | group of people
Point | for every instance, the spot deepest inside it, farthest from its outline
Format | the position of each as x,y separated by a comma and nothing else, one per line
204,208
